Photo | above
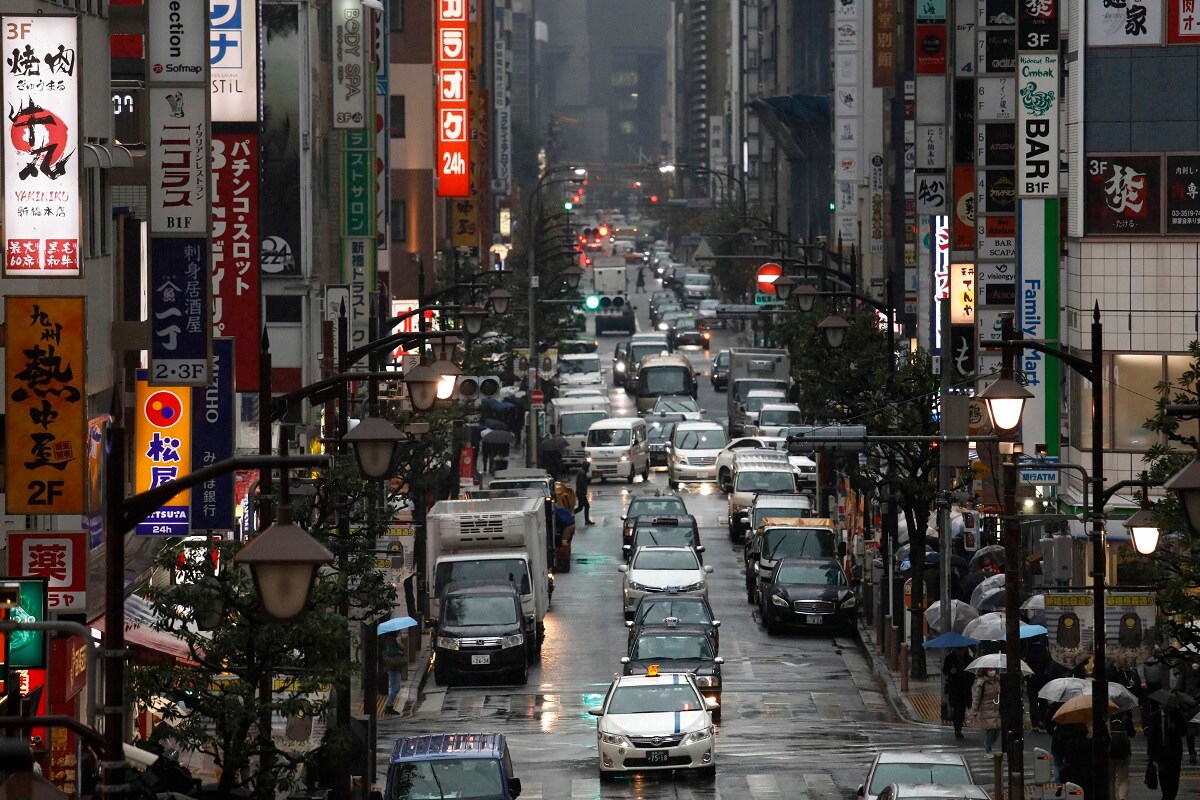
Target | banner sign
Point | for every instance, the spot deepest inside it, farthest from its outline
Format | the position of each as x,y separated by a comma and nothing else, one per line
1122,194
383,140
1129,623
59,557
349,65
1037,125
1183,194
233,59
180,154
163,442
357,184
279,209
41,178
941,278
962,294
1130,22
45,404
358,271
453,127
236,310
214,423
883,55
177,41
1037,25
180,331
1183,23
502,105
92,518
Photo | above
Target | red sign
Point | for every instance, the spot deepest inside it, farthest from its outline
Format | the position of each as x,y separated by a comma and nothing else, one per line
1183,21
963,235
1123,194
68,665
60,558
767,275
453,114
537,397
931,49
466,467
235,250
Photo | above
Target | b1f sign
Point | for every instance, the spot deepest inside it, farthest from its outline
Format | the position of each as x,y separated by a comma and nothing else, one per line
60,558
40,141
1037,125
180,155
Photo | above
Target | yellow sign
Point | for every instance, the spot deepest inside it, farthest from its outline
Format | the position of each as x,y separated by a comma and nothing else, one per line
962,294
163,442
45,404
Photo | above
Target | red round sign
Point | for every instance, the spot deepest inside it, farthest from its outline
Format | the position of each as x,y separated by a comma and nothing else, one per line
767,275
536,396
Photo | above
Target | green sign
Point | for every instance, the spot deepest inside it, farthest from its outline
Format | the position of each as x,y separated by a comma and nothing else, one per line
27,649
763,299
357,185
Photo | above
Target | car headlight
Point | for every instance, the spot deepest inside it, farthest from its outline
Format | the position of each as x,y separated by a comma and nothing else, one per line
515,640
697,736
662,326
447,642
614,738
638,587
588,459
624,458
778,600
619,366
691,587
850,602
707,681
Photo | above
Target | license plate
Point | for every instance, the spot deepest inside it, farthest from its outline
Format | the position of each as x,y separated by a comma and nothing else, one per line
483,659
596,473
656,757
813,619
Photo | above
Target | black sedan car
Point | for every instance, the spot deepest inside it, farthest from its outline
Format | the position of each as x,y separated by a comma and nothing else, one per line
660,531
718,374
688,612
673,649
808,592
659,428
658,504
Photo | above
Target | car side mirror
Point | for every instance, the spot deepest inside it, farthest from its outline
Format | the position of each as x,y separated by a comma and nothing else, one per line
596,711
711,703
716,623
700,549
624,659
625,548
708,568
628,623
623,567
514,787
718,660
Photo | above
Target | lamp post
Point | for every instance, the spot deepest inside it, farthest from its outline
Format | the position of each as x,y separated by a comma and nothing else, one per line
670,169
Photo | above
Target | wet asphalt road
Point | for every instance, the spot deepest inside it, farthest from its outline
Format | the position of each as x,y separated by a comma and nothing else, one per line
802,715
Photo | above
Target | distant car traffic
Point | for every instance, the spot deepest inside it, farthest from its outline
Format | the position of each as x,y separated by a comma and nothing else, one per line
683,405
718,374
660,531
690,612
675,650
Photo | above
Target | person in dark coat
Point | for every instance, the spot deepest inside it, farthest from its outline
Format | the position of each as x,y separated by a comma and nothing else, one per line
581,496
958,686
1077,757
1165,729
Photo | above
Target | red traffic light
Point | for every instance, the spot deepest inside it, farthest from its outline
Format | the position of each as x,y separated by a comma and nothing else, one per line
653,198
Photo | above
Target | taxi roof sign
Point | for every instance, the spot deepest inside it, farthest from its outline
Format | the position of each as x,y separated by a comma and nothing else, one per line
652,671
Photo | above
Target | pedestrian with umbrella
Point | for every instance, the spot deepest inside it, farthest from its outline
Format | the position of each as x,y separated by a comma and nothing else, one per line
394,658
1119,753
1077,756
1165,729
581,495
985,707
958,687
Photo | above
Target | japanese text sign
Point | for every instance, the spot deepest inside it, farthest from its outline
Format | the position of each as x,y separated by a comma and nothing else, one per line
453,126
1120,23
233,59
213,425
1037,125
1183,22
1183,194
180,155
941,276
163,442
177,41
1037,25
962,294
41,178
1122,194
59,557
45,404
180,327
357,184
68,663
235,250
349,64
358,272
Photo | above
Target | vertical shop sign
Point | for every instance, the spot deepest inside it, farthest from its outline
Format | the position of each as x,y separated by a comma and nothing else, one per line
349,64
883,41
60,557
177,40
45,404
179,159
41,178
357,185
163,442
180,328
383,140
1037,125
502,106
233,59
453,126
213,425
279,208
27,649
236,311
358,272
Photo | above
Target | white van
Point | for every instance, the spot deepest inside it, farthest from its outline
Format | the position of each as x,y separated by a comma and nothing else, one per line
618,448
579,369
570,417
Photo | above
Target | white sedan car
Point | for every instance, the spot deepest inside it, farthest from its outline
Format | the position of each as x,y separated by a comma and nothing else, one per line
655,722
662,569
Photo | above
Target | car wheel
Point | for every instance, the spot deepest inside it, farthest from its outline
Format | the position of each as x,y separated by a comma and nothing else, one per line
672,483
441,674
716,714
646,472
630,478
723,480
768,624
750,598
521,673
607,777
708,773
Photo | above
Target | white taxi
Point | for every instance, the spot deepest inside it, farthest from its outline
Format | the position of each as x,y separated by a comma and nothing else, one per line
655,722
662,569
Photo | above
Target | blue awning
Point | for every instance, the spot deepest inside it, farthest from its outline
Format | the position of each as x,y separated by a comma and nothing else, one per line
794,120
791,108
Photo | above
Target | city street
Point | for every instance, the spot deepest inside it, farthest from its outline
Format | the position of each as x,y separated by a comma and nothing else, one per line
802,715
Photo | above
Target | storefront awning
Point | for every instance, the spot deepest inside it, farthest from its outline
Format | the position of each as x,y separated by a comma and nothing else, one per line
793,119
139,636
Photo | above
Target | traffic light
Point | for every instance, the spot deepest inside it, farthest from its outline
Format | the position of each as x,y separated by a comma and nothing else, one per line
653,198
473,388
568,205
604,302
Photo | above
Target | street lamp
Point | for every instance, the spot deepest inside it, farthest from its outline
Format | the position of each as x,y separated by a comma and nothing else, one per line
472,319
422,382
500,299
834,329
283,562
1143,532
571,276
1005,400
375,442
444,349
1186,484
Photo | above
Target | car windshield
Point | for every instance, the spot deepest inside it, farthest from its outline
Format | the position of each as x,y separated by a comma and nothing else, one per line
675,405
744,387
672,647
825,575
478,610
710,305
702,439
608,437
780,416
484,570
659,431
755,404
655,507
639,351
797,543
765,482
662,699
576,424
666,559
464,779
664,537
532,483
697,279
900,772
578,366
653,611
664,380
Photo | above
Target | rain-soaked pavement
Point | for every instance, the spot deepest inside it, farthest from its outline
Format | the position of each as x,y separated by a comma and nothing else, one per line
802,715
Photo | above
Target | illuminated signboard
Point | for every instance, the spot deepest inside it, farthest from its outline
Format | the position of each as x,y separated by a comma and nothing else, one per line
453,127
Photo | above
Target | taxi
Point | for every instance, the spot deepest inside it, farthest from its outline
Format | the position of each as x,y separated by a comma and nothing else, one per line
655,722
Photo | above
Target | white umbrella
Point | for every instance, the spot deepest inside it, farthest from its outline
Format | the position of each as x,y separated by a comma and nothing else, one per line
994,661
1061,690
988,628
985,587
961,615
1035,603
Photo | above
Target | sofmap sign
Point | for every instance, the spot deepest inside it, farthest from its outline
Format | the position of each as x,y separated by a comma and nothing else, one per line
163,442
59,557
453,127
41,176
1037,125
349,64
177,41
180,154
45,406
233,59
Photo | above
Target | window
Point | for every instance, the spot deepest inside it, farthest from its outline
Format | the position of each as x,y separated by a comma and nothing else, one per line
396,15
285,308
396,112
1130,396
399,221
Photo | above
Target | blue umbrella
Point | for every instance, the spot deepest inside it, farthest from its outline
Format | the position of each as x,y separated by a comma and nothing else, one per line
1030,631
934,558
949,640
396,624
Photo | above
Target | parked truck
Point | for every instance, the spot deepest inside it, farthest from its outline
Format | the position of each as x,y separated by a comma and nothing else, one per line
610,283
492,540
754,368
570,418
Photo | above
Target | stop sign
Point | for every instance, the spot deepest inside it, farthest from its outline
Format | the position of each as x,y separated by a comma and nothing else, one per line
767,275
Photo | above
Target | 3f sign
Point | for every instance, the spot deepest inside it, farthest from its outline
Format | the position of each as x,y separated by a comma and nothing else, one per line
15,30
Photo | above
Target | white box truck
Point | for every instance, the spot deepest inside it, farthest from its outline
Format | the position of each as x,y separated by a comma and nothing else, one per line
492,540
754,368
570,418
610,281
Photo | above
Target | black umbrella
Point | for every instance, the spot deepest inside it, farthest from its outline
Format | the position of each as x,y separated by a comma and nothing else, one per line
555,444
497,437
495,424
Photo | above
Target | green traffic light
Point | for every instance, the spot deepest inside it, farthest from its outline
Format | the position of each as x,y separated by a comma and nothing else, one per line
568,205
592,302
